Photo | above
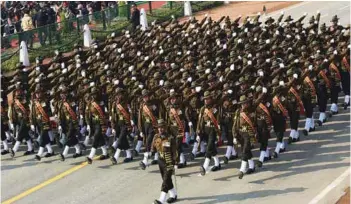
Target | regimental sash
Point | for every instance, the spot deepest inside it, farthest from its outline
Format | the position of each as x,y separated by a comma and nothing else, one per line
19,104
248,121
302,108
215,122
149,113
333,67
264,108
125,114
70,111
179,122
346,63
99,110
325,78
310,84
280,106
42,112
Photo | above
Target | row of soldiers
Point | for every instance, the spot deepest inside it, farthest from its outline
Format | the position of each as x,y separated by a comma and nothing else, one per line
205,81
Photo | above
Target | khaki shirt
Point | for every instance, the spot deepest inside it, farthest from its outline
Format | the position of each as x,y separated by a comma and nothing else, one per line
27,23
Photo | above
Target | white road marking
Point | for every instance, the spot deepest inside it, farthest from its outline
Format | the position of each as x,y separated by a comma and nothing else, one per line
342,8
335,183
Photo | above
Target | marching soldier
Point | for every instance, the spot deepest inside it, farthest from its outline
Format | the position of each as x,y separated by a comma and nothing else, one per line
40,122
177,117
123,125
97,124
165,144
149,110
208,129
19,120
68,124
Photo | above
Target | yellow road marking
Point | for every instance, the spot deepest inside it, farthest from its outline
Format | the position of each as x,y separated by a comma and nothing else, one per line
45,183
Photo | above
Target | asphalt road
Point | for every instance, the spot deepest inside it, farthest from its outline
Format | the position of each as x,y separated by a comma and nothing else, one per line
297,176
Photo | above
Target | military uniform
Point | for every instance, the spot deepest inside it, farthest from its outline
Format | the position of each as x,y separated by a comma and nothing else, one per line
97,124
165,145
208,127
40,122
122,124
68,123
19,122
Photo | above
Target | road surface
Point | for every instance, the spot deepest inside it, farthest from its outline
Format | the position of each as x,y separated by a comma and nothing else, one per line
314,170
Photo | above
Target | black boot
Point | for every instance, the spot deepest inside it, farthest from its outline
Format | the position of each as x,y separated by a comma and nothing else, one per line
312,129
182,165
200,154
4,152
154,162
28,152
282,150
250,171
259,164
37,157
113,160
267,158
90,161
275,155
103,157
290,140
192,156
225,159
126,160
172,200
75,155
233,157
62,157
135,153
47,155
12,153
142,165
202,171
305,132
216,168
320,123
157,202
241,175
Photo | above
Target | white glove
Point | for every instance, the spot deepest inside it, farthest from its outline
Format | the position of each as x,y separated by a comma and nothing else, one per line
295,76
60,128
141,134
12,127
234,34
249,62
281,65
190,79
310,67
240,40
268,60
221,79
132,122
232,67
198,139
264,90
207,71
230,91
161,82
235,141
335,52
113,131
88,128
190,124
32,128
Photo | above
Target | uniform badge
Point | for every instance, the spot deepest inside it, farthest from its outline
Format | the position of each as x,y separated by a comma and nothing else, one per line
154,107
166,144
214,110
43,104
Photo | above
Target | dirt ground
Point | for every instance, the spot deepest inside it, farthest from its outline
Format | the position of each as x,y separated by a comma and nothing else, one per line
345,199
244,8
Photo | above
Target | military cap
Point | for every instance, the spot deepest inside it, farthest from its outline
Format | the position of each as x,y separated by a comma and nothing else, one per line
269,20
161,123
243,99
207,94
288,19
335,18
289,72
145,93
